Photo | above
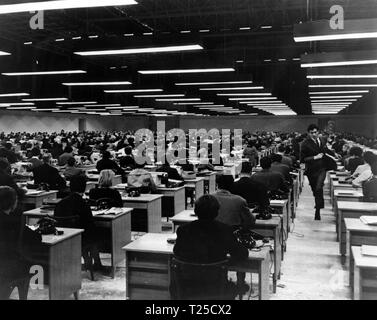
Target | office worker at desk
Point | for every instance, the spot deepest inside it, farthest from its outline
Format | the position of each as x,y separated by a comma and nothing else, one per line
208,240
255,193
370,186
16,246
278,166
75,206
49,175
364,172
107,163
104,190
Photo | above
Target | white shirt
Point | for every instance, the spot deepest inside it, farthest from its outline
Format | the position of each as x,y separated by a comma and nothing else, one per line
360,169
364,176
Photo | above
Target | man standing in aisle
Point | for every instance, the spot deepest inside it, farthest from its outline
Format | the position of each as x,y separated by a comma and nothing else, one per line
313,150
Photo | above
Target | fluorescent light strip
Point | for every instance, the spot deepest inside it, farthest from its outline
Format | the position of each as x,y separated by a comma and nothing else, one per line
140,50
229,89
212,83
45,99
20,108
93,37
160,96
266,104
17,104
3,53
76,38
42,73
359,35
349,76
252,99
149,72
242,94
77,103
103,105
28,43
133,91
338,97
188,99
114,83
59,40
330,105
339,63
192,103
339,92
61,4
13,95
336,100
342,85
204,30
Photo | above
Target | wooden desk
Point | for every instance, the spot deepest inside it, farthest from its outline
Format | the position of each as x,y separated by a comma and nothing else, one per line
119,226
174,200
36,200
64,263
358,234
345,195
282,207
151,203
354,210
210,183
336,186
365,273
148,268
268,228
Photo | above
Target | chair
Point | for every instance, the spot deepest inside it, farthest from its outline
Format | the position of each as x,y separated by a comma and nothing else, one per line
190,281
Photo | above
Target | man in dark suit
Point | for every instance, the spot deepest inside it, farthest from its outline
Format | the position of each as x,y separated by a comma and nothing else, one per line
253,192
272,180
278,166
207,240
6,152
313,150
107,164
285,159
48,174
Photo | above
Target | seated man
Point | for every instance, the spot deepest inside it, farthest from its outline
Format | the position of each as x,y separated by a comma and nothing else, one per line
106,163
63,158
7,152
14,265
273,181
172,172
285,159
278,166
370,186
104,189
71,170
49,175
128,160
75,206
208,240
35,158
233,209
253,192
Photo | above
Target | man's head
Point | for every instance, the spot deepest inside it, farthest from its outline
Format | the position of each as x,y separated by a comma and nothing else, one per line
46,158
68,149
8,199
225,182
71,162
128,150
265,163
78,184
276,158
313,131
4,165
356,151
207,207
106,155
35,152
281,149
247,168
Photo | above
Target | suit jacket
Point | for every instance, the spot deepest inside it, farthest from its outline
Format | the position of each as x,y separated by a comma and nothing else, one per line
272,180
309,149
108,164
50,175
283,169
204,241
252,191
63,158
287,161
233,210
370,190
8,154
70,172
172,172
35,162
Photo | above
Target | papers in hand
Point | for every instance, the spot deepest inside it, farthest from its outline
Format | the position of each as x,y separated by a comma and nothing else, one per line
369,220
34,192
105,212
369,250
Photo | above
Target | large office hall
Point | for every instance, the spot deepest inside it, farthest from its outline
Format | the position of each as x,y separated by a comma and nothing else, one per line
172,151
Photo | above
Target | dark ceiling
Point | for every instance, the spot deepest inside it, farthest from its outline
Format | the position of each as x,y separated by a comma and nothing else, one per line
254,53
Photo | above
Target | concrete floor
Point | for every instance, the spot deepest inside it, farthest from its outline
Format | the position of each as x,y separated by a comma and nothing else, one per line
311,269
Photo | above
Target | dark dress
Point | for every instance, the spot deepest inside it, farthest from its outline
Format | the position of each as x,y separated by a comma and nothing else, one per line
100,193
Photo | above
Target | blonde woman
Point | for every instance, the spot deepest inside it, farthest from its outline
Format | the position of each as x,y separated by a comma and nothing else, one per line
105,190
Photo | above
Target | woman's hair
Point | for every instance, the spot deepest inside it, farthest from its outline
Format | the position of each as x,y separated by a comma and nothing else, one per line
106,178
8,198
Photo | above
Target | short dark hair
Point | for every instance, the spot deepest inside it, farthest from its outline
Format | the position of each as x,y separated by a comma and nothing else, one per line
35,152
8,198
281,148
225,181
71,161
369,157
128,150
78,184
68,149
265,163
106,155
247,167
207,207
276,157
312,127
356,151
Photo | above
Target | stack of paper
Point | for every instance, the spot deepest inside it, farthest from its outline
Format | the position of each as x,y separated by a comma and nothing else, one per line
369,220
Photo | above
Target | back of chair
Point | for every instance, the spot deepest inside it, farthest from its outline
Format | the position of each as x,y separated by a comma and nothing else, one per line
68,222
190,281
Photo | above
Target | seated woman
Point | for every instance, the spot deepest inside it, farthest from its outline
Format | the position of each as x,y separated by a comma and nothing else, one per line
14,266
355,159
370,186
104,189
208,241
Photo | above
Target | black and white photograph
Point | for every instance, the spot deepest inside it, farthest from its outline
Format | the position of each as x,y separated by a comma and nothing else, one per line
188,155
